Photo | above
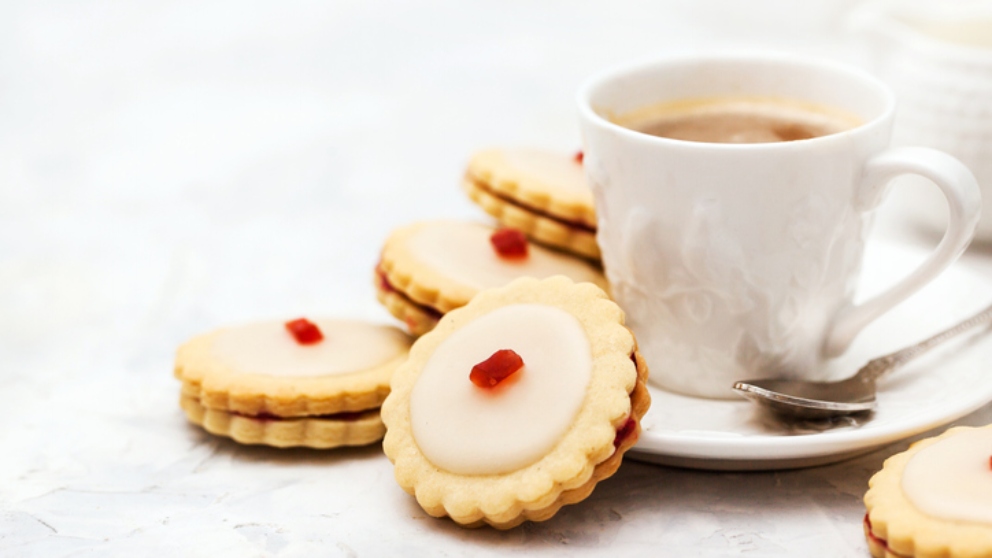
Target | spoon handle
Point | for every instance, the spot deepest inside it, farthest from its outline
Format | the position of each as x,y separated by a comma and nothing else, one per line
879,366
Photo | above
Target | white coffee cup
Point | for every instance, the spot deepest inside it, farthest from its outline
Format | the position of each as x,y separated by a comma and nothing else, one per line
738,261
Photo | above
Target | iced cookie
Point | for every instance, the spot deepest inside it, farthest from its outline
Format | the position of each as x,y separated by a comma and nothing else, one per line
516,404
356,428
428,269
542,193
297,383
935,499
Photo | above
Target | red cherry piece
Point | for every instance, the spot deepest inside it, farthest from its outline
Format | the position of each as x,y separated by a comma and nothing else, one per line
990,462
509,243
624,432
579,156
304,331
490,372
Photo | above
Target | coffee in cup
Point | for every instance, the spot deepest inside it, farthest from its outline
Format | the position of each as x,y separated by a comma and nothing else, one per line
738,120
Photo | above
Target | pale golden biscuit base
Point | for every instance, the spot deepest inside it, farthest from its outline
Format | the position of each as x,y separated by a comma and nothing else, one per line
417,321
422,284
583,456
908,532
217,385
492,168
319,433
540,228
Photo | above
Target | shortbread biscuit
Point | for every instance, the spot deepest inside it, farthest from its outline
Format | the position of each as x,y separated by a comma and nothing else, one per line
356,428
249,378
934,499
542,193
430,268
419,318
541,438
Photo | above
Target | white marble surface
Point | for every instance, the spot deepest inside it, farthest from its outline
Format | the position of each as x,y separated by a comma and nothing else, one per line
166,168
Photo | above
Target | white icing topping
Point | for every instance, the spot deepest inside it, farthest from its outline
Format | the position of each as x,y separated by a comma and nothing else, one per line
348,346
462,252
470,430
952,479
551,169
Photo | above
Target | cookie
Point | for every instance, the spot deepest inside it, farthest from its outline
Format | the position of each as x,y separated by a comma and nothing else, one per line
357,428
516,404
542,193
934,499
430,268
300,383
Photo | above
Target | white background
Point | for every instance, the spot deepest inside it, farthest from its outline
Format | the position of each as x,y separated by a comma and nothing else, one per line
167,168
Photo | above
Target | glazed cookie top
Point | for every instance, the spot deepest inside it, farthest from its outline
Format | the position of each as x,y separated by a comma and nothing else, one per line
544,180
445,263
934,498
952,478
466,429
548,414
269,349
268,367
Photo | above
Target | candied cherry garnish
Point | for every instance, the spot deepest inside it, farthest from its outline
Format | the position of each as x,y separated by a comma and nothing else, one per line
490,372
304,331
509,243
579,156
990,462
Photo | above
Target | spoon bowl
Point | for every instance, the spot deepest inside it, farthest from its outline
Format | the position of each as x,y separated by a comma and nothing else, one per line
818,400
810,400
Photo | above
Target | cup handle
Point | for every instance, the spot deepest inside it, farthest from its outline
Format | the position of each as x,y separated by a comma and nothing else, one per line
964,203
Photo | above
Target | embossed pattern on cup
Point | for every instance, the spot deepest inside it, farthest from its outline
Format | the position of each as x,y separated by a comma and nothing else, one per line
717,308
736,261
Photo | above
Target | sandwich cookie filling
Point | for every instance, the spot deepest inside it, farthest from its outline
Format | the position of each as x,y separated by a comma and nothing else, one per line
570,223
879,543
387,287
545,194
551,184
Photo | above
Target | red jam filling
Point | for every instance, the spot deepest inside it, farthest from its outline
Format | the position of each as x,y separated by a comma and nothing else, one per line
580,225
579,155
345,416
625,432
509,243
388,287
877,540
500,366
629,427
304,331
384,283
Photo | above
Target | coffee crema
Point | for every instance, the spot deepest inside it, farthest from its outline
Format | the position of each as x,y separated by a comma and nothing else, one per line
738,120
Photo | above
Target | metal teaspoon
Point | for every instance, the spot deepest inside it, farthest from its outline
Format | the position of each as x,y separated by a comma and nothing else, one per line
816,400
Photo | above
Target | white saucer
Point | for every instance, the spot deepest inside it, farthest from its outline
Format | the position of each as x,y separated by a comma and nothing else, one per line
952,381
